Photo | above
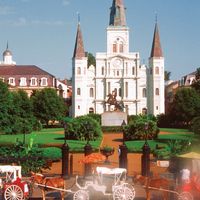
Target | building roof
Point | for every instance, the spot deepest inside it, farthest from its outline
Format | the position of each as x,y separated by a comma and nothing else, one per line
21,70
117,14
79,51
156,50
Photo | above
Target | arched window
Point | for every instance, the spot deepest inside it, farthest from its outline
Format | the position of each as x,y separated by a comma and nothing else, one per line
91,92
121,47
23,81
144,92
157,91
157,70
144,111
102,70
79,71
91,110
43,81
78,91
120,92
11,81
114,48
133,70
33,81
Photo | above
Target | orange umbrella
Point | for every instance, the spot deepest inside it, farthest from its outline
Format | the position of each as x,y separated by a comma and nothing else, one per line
93,158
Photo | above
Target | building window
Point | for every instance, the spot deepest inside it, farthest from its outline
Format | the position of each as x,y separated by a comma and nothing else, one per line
126,89
78,71
108,87
121,47
91,92
33,81
43,81
144,92
23,81
156,107
157,91
157,70
11,81
144,111
120,92
102,71
78,91
79,107
133,70
117,73
114,48
126,109
91,110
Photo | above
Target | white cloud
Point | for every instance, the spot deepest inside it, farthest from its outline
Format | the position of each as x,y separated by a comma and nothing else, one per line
6,10
20,22
65,2
48,23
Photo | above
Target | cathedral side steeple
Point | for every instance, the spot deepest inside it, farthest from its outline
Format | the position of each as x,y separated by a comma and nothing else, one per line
79,51
156,50
117,14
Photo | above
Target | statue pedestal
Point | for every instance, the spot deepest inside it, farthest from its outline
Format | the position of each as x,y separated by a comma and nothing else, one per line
114,118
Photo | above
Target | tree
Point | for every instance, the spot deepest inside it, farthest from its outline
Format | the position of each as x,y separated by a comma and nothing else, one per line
91,60
21,113
185,106
5,105
167,75
47,105
196,83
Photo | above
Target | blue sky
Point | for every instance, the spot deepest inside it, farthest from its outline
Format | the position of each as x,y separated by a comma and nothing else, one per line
42,32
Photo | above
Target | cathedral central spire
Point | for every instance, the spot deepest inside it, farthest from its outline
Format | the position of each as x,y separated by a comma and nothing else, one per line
117,14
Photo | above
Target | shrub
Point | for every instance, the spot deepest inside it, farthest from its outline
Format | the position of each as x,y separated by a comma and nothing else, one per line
173,148
83,128
195,125
138,130
30,158
97,117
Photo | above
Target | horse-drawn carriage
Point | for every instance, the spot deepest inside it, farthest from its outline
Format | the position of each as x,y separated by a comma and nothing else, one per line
11,185
110,182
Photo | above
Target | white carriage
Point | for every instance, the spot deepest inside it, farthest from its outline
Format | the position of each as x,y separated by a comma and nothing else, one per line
108,181
11,185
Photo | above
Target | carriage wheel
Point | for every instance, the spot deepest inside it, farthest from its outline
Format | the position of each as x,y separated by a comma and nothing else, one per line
81,195
185,196
13,192
124,192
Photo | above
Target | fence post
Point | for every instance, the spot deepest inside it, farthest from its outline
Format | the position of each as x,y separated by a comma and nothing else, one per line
146,160
71,165
65,160
123,156
88,166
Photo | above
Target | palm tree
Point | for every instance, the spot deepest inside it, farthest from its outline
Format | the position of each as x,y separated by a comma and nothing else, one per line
167,75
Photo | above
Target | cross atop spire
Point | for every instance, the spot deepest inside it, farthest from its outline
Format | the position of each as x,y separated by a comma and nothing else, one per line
117,14
156,50
79,51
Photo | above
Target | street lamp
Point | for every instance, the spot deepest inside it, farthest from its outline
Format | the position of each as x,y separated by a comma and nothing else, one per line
146,126
65,132
65,155
123,125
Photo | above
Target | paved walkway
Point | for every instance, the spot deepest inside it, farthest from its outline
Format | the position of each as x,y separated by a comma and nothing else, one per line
110,139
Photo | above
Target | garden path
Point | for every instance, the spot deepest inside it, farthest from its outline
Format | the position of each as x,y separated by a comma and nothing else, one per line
114,140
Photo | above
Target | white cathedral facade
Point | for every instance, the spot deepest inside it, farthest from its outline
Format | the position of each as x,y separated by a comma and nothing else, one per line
139,88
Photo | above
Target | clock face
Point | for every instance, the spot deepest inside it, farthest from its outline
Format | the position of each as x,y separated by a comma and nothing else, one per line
117,62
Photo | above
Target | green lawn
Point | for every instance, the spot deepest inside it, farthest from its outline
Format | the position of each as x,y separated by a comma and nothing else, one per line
47,138
163,140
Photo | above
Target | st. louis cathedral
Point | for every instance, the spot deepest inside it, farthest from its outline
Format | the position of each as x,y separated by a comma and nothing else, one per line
138,88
